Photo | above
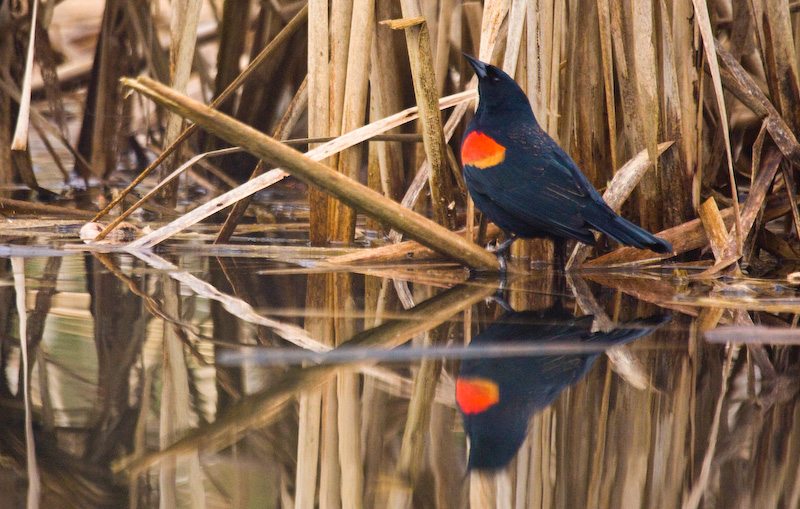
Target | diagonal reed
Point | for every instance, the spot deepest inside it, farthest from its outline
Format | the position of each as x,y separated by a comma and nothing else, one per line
352,193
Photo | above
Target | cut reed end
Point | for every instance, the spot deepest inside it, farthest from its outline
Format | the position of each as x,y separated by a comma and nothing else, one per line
399,24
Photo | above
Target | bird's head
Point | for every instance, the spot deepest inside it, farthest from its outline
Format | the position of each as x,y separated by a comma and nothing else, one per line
499,93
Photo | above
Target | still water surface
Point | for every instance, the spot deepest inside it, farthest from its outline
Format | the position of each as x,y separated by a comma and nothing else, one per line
180,380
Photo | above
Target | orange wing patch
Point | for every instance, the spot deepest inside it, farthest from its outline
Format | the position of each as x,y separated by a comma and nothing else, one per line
475,395
481,151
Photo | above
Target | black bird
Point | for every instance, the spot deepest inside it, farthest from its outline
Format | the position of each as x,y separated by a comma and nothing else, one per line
524,182
498,396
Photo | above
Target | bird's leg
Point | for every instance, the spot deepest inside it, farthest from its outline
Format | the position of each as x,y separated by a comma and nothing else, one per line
501,258
499,296
501,251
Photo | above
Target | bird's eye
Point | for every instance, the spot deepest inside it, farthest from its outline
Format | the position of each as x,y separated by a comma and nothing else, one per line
496,79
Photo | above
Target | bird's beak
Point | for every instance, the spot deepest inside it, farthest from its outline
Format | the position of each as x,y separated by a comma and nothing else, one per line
480,67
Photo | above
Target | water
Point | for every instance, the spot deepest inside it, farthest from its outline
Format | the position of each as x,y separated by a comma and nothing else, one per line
183,378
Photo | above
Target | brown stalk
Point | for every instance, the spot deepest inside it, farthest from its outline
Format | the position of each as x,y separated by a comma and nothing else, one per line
387,96
342,219
235,14
318,108
341,227
647,110
676,171
774,243
755,199
589,121
321,152
20,139
516,23
353,193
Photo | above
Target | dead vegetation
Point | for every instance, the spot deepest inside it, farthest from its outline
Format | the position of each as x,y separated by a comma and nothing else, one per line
718,81
677,109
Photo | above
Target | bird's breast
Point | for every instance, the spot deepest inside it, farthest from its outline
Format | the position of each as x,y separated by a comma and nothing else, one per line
481,151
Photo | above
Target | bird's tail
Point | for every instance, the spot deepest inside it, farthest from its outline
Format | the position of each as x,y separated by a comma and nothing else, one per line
603,219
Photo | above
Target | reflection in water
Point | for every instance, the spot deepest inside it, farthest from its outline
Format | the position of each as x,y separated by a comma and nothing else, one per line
132,407
497,396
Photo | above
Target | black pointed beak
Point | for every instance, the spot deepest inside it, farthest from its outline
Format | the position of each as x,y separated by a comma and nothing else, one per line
480,67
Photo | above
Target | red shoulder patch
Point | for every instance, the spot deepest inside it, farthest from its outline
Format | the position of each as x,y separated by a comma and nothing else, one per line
481,151
475,395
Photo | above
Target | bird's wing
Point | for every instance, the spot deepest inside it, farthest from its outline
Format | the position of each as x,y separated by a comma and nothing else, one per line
541,187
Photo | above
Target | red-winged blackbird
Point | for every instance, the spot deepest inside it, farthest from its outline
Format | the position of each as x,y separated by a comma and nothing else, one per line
497,396
524,182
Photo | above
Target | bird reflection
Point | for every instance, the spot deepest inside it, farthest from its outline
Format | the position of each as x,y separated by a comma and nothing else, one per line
498,396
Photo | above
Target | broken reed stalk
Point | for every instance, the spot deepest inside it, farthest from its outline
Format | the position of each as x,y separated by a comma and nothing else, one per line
262,57
715,228
350,192
423,75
